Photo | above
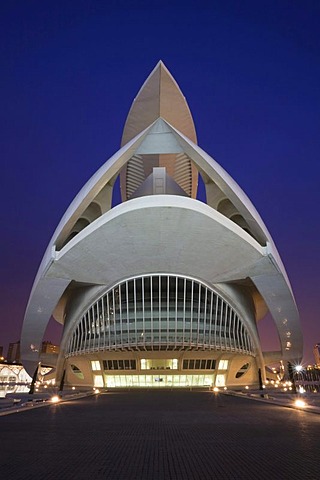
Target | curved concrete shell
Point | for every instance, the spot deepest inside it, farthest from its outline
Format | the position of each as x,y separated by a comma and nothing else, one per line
161,264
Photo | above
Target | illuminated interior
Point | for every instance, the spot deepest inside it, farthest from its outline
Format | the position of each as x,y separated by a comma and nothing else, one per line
114,381
159,364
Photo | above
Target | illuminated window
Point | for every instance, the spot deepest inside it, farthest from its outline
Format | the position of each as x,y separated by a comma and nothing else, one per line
223,365
98,381
95,365
221,381
159,364
158,381
144,364
76,370
175,363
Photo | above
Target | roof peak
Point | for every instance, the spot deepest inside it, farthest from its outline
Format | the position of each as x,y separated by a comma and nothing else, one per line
159,96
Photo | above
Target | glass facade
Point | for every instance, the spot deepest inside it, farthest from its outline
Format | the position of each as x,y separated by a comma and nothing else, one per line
119,364
197,364
160,312
159,364
120,381
221,380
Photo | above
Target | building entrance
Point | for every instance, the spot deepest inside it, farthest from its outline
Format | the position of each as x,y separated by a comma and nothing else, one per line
158,381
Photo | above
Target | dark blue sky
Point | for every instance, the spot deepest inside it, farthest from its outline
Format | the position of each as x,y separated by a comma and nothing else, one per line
250,71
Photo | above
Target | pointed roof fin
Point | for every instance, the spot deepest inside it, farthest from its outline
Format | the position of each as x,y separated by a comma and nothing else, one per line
159,96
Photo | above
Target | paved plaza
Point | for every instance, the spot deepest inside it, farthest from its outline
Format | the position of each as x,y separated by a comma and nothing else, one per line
153,435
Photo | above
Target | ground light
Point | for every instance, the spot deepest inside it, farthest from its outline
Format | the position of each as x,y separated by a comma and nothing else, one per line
300,403
216,389
55,399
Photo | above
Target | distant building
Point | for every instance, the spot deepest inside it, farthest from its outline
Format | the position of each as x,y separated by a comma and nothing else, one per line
1,351
13,379
48,347
13,355
316,352
309,379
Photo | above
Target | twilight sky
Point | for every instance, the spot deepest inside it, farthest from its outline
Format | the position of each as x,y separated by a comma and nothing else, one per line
250,71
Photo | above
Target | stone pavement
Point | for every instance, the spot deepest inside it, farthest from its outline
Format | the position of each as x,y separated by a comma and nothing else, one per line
155,435
312,401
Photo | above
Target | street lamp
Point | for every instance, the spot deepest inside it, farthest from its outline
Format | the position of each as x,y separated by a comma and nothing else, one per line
298,370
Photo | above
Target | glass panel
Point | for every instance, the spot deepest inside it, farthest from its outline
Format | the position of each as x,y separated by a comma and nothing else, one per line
160,312
133,364
98,381
155,292
223,364
208,380
221,380
164,292
159,364
95,365
175,363
143,364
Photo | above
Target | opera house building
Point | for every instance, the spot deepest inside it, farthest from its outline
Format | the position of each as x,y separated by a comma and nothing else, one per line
162,290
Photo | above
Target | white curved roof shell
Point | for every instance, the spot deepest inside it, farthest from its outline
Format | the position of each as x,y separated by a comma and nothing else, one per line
160,233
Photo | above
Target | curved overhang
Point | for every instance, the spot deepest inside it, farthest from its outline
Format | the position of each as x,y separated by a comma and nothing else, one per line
158,231
158,234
